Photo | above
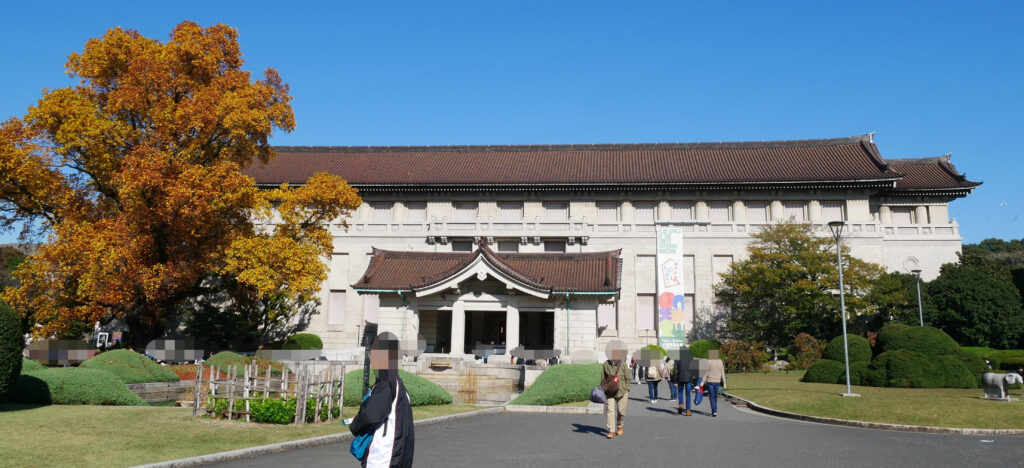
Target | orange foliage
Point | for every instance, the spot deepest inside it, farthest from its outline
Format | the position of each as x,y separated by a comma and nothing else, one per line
134,175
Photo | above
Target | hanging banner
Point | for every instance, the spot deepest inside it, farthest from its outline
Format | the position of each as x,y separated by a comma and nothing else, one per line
671,322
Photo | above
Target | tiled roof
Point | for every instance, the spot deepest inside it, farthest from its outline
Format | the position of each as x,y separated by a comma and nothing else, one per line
929,174
850,160
554,272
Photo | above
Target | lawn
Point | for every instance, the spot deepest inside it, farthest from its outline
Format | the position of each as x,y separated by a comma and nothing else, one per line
943,407
110,436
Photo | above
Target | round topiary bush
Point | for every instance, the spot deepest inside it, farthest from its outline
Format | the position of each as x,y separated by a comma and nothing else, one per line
225,359
73,386
11,345
926,340
825,371
954,372
860,349
887,335
561,383
28,365
860,374
422,392
907,369
130,367
975,365
699,348
303,341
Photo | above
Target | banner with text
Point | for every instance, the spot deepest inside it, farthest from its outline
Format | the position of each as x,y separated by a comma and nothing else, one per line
671,324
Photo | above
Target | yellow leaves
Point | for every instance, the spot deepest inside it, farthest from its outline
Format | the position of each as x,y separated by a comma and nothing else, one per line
272,263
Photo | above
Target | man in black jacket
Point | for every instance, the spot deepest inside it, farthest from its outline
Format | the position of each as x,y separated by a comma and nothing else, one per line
685,374
387,412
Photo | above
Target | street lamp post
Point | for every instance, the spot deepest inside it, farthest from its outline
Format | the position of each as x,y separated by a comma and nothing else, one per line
837,230
920,312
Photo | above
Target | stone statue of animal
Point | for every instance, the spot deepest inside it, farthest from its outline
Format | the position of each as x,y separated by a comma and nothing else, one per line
996,386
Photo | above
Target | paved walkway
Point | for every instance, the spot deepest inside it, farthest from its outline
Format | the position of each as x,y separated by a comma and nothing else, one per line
655,436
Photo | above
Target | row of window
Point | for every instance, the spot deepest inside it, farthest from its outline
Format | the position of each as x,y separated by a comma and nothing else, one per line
609,212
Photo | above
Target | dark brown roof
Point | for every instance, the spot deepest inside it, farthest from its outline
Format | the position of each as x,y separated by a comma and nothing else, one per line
850,160
929,174
553,272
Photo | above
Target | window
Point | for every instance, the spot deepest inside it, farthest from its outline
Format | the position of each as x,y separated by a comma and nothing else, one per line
510,211
381,212
508,246
371,308
645,311
832,211
556,211
682,211
336,308
902,215
462,246
416,212
607,314
554,246
643,213
795,210
757,212
719,211
465,211
607,212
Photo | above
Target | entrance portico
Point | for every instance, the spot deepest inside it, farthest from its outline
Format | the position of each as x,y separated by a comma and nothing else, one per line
483,299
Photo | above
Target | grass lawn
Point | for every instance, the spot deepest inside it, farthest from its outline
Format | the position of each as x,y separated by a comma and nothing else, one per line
123,436
943,407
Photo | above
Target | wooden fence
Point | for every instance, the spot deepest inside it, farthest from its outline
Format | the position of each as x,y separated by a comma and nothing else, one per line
321,381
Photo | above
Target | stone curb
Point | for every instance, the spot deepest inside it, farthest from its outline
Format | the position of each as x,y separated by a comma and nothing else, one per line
294,444
553,409
874,425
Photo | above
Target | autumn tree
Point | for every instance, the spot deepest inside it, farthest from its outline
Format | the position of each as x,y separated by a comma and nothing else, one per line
132,178
789,284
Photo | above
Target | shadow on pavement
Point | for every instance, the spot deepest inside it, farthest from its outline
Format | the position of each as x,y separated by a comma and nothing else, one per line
661,410
585,429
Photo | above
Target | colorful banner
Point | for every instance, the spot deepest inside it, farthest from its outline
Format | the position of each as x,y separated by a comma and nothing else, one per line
671,322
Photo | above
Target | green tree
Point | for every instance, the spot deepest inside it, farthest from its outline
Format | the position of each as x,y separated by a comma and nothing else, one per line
788,284
977,304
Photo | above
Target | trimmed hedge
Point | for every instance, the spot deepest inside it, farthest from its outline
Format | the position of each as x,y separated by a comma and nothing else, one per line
11,345
224,359
130,367
28,365
73,386
1008,360
928,341
825,371
422,392
700,348
561,383
303,341
907,369
887,336
859,347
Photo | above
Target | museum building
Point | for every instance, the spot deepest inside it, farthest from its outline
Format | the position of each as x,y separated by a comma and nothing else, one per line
552,247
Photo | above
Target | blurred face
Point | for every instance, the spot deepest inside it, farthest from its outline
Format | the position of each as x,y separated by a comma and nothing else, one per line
380,359
618,354
713,354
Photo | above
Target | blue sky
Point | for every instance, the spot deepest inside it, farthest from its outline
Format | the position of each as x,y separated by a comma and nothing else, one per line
929,77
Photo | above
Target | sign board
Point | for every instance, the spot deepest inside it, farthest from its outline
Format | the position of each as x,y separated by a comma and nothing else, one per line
671,322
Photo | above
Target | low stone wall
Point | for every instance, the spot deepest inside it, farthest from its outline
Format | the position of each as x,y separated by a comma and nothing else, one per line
163,391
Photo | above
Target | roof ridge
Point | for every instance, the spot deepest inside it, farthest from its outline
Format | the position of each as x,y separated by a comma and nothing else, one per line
919,161
581,147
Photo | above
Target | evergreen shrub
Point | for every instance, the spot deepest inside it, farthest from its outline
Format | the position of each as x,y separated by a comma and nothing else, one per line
741,356
908,369
303,341
11,346
130,367
825,371
859,348
700,348
806,350
73,386
422,392
561,383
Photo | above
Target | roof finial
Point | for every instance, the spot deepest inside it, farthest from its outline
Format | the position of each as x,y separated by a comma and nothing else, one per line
871,136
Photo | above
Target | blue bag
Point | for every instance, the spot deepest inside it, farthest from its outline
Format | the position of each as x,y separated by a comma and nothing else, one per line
699,397
361,442
597,395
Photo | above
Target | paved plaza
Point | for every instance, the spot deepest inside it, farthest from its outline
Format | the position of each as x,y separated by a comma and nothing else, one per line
656,436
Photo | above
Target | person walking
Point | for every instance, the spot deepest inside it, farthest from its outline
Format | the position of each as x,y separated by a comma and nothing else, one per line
666,374
615,403
713,378
653,379
685,374
386,412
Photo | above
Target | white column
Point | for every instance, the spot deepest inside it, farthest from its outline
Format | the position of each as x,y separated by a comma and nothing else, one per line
814,211
511,326
885,214
703,213
921,214
739,211
777,211
458,329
